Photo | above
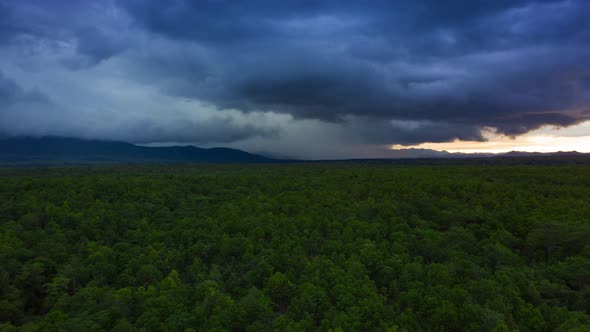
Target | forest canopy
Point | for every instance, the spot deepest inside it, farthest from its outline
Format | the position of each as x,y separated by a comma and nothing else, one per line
330,247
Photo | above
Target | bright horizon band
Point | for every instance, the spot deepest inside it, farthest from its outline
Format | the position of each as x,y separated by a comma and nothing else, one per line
545,139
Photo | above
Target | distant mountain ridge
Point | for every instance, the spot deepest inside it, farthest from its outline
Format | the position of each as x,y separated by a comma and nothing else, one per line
413,153
73,150
62,150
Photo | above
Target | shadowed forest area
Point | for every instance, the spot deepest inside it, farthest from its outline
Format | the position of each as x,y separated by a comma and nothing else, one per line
329,247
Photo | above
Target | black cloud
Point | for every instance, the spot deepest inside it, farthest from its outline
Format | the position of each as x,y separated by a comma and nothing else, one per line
91,26
11,93
449,68
465,63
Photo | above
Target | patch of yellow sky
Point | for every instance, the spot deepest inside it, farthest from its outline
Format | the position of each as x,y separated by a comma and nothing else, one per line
545,139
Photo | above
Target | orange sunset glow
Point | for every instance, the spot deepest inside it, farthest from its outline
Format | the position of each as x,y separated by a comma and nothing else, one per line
546,139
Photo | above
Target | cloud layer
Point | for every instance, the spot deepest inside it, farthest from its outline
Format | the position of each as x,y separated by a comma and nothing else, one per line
376,73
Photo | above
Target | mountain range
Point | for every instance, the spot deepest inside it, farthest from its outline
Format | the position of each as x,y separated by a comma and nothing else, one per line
74,150
413,153
60,150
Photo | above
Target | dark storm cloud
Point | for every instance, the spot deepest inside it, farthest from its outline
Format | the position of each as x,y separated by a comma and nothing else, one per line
94,46
513,65
32,113
414,132
219,130
141,130
11,93
390,71
88,25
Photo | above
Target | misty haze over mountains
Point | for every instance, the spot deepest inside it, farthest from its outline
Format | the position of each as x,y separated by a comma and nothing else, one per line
73,150
61,149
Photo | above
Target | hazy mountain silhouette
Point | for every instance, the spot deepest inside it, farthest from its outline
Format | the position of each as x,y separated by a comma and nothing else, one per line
56,150
61,149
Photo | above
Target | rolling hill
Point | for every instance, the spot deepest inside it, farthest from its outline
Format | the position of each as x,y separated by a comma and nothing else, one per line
73,150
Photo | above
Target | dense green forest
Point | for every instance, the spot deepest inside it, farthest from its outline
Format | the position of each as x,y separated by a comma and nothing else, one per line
330,247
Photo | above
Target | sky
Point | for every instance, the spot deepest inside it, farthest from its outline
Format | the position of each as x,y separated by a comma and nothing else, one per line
301,79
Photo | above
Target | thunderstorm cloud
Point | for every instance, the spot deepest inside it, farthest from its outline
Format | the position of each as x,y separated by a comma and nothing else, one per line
299,77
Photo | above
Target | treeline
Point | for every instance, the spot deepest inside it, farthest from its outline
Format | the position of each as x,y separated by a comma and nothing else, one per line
335,247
